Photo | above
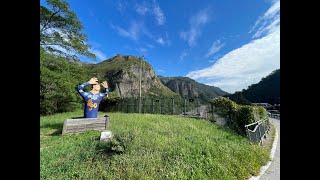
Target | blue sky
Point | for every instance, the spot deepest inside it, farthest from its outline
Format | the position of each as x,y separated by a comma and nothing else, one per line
228,44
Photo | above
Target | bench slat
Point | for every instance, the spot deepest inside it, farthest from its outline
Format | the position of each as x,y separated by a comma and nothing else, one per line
85,124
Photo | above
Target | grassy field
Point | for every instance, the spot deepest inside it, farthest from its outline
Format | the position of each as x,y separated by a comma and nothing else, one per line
147,147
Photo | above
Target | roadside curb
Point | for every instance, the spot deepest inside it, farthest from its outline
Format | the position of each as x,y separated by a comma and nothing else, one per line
272,152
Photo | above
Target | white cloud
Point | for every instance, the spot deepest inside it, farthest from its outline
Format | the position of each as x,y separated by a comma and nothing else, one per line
95,44
157,12
121,5
164,40
269,22
160,41
243,66
215,58
150,45
100,55
162,71
142,50
248,64
142,9
196,22
215,47
183,54
133,31
152,9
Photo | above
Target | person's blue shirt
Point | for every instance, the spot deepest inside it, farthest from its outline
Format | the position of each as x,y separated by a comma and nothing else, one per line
92,101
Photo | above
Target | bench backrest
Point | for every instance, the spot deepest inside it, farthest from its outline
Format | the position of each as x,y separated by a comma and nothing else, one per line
85,124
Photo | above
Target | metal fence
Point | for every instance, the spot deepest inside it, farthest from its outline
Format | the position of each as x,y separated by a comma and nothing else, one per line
258,130
189,106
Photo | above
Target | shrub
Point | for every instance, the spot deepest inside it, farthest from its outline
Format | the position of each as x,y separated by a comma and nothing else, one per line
261,111
118,144
224,106
111,103
238,115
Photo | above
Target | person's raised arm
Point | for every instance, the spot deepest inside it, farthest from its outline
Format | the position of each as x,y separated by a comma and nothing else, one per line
105,85
82,86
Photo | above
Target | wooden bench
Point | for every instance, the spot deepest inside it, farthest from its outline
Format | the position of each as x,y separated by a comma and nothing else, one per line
84,124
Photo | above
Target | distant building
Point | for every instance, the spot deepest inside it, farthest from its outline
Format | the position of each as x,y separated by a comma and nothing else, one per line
268,106
265,105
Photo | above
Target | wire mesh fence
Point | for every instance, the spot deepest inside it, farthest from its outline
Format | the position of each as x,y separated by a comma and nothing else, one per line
258,130
188,106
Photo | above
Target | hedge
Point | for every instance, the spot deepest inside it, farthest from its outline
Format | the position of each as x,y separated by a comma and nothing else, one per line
238,115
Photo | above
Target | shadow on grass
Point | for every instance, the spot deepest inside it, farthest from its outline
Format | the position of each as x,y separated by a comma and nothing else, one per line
105,149
57,127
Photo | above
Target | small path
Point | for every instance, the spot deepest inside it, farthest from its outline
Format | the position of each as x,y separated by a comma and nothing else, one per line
273,171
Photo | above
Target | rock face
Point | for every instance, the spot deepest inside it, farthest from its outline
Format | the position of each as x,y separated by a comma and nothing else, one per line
187,87
123,72
183,88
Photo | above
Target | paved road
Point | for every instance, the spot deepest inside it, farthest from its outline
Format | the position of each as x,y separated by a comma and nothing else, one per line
273,172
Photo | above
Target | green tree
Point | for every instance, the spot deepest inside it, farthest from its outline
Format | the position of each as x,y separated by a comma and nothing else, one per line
267,91
61,41
58,80
61,31
239,98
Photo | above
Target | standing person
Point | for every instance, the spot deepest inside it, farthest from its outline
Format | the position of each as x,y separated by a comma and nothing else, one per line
92,98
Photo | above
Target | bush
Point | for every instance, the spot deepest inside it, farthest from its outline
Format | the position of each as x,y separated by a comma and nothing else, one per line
110,104
118,144
224,106
261,111
238,115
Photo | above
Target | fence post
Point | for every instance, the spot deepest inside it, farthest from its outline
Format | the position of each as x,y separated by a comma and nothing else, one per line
162,105
264,125
259,129
268,125
172,104
185,106
198,113
134,104
119,105
247,130
143,105
152,105
156,105
128,101
212,112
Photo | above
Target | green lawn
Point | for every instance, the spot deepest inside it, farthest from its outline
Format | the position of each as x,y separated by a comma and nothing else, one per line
156,147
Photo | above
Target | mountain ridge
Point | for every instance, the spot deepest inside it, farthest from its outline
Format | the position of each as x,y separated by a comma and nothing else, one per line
267,90
187,87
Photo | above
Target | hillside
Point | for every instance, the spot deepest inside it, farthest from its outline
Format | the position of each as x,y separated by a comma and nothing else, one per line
187,87
266,91
122,74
